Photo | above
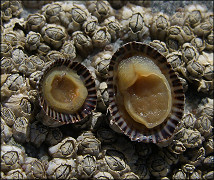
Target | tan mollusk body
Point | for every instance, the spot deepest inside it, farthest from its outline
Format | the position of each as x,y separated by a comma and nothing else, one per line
140,81
67,91
146,97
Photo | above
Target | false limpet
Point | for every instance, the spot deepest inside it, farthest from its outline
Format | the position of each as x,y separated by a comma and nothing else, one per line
146,97
67,91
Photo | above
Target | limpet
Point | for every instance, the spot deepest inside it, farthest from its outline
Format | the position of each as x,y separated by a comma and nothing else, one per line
67,91
145,95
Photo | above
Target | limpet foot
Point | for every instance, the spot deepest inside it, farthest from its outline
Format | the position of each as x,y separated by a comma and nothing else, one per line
146,96
146,91
64,90
67,91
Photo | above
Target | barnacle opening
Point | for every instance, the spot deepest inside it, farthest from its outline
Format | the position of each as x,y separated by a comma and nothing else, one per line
145,91
64,90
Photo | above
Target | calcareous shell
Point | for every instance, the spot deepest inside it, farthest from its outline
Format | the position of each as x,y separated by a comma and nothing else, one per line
127,78
6,132
16,174
67,91
66,149
12,157
34,168
61,168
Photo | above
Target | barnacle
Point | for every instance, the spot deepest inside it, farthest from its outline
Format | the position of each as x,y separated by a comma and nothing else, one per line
159,25
51,12
54,136
101,37
82,42
6,132
158,166
34,168
67,148
90,24
54,35
38,133
35,22
16,173
12,157
21,130
6,65
61,168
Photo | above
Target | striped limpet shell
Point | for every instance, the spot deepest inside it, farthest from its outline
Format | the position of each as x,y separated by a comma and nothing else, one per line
146,97
67,91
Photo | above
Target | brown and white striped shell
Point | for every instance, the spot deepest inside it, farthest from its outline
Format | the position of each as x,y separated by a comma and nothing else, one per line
131,72
67,91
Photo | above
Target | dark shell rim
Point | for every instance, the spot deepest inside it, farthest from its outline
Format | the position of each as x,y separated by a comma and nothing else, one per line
90,102
172,121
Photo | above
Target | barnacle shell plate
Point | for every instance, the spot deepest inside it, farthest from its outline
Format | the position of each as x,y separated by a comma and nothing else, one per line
67,91
146,96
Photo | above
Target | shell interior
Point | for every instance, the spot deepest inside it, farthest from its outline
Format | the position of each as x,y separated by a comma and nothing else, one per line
146,97
67,91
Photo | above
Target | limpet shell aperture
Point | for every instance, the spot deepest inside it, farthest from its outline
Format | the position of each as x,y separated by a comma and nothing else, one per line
146,96
67,91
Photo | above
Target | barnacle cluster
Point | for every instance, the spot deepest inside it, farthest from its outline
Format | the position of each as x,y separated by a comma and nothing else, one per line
78,75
